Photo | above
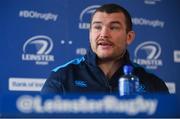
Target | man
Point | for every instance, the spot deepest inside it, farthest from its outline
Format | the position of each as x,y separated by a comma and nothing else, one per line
99,70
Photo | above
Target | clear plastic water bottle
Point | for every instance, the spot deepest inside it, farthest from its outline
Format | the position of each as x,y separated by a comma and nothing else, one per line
128,83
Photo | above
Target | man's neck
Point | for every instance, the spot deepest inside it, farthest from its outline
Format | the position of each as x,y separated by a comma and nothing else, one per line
109,67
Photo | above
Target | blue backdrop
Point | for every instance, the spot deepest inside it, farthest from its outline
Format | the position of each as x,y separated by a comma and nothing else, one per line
37,36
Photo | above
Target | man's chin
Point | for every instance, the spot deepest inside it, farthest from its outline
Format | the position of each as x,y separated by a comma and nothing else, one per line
105,57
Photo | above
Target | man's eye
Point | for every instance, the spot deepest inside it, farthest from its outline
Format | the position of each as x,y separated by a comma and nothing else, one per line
97,27
115,28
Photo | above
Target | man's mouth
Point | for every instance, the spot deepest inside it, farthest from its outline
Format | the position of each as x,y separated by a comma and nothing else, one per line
104,44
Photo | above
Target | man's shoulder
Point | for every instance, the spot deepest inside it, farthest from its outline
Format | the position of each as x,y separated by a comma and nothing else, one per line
150,79
139,70
70,64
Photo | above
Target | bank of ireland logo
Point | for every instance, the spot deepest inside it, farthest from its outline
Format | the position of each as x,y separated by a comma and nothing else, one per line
147,54
85,16
38,48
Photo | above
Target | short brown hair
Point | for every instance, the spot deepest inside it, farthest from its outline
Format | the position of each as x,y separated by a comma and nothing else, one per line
113,8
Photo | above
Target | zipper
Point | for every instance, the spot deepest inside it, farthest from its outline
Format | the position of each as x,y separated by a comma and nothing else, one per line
108,86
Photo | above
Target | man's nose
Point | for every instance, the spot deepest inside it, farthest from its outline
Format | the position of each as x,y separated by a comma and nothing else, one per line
105,32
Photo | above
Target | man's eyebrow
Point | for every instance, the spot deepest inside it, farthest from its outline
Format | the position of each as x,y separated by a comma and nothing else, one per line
115,22
97,22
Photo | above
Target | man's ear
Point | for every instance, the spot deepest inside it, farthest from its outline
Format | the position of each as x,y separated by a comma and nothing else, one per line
130,37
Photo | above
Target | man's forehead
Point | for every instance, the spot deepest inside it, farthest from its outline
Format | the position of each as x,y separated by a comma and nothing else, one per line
103,16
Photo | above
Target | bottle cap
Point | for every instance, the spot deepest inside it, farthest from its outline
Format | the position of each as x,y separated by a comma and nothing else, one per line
127,69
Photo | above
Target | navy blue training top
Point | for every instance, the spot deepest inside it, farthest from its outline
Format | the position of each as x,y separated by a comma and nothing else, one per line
82,75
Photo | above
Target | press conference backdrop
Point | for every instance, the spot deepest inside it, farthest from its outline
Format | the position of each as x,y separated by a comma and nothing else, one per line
39,35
